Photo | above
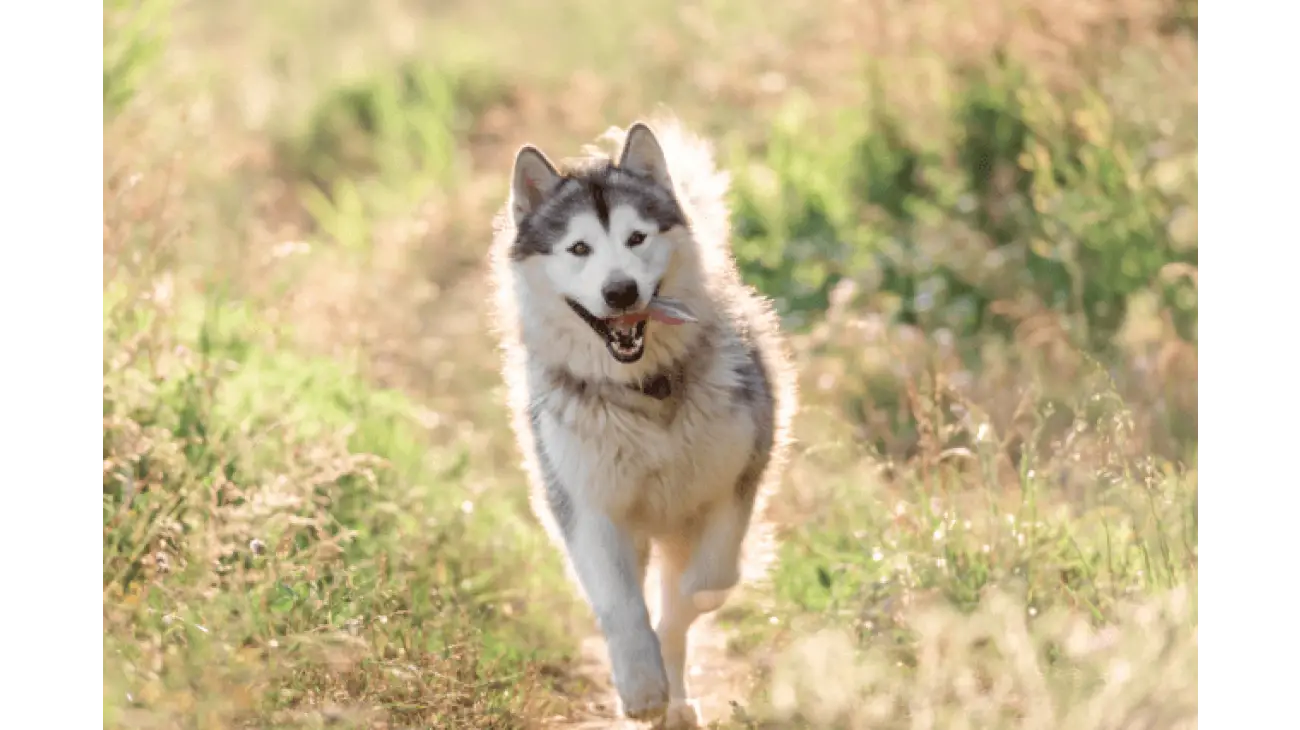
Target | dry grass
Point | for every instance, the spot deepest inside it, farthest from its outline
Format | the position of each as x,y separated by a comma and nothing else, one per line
312,512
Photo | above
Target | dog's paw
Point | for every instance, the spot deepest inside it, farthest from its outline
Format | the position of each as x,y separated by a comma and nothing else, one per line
707,601
650,705
642,684
681,715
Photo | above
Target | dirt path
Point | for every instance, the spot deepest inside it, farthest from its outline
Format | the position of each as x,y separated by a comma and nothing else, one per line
715,678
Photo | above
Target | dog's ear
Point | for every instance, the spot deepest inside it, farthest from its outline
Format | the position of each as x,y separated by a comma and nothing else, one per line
533,179
643,155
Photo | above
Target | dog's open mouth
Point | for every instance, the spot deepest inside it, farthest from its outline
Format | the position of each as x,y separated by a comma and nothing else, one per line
625,334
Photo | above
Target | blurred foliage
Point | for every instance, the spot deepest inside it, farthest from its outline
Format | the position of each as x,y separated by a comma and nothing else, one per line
1182,17
395,125
135,32
1028,193
373,147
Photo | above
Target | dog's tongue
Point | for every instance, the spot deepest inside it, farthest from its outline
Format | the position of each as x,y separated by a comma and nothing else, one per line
661,309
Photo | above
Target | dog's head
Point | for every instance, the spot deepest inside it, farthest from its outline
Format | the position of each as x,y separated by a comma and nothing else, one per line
600,237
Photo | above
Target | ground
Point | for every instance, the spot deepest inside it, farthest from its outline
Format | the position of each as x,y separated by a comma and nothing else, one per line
978,221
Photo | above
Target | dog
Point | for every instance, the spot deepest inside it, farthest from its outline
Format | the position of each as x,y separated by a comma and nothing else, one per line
650,389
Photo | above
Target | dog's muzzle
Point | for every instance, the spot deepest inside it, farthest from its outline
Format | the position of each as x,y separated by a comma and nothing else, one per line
624,335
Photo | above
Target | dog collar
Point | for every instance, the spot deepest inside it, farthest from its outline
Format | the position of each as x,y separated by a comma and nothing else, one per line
659,387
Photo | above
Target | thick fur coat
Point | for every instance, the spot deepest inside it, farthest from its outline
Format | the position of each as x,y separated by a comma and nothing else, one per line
635,431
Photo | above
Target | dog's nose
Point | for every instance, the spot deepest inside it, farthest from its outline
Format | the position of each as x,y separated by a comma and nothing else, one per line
620,293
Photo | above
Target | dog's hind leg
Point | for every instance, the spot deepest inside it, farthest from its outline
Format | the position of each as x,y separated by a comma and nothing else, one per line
608,563
714,565
676,614
642,560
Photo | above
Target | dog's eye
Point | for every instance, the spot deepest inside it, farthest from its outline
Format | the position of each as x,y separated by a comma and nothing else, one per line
636,239
580,249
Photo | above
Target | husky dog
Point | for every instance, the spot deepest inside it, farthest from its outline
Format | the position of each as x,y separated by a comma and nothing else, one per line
650,388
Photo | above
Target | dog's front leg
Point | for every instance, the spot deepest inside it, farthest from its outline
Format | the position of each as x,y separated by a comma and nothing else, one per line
608,566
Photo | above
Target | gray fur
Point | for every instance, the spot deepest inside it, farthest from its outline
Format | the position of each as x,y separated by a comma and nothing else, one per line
755,393
596,187
556,498
752,383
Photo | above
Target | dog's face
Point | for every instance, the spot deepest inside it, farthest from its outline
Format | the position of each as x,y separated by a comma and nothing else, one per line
602,238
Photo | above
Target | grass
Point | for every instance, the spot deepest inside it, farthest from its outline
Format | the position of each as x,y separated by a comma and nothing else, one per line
280,536
977,220
980,592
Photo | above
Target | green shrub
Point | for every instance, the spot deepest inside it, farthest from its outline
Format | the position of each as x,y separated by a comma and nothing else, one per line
374,148
1030,195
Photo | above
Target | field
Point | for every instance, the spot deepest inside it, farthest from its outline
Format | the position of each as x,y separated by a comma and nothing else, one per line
978,219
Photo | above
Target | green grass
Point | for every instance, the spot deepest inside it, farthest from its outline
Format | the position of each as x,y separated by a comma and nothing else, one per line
983,244
280,536
975,569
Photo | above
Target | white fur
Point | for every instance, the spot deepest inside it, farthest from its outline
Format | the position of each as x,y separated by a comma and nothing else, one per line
581,278
631,476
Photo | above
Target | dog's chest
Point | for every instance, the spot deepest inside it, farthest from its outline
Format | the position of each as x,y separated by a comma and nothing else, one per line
649,462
